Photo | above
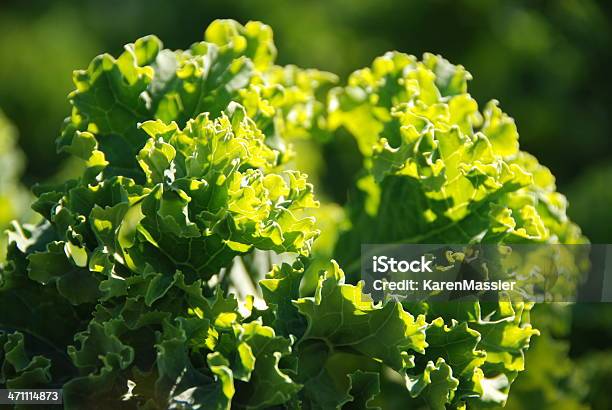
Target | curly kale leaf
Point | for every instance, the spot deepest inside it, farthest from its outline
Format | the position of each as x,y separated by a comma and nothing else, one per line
148,82
454,174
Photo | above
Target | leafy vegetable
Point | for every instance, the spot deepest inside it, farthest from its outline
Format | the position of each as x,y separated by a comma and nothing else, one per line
453,174
433,159
124,294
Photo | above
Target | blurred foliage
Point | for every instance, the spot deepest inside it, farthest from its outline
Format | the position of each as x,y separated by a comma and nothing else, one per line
11,162
38,55
591,200
13,196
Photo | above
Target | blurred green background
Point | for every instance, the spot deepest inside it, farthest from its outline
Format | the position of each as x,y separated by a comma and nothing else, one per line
548,62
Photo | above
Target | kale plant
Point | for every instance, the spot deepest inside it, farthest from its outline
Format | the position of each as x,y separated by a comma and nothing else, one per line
125,295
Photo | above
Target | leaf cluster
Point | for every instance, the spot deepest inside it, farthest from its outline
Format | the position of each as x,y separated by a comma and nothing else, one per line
123,294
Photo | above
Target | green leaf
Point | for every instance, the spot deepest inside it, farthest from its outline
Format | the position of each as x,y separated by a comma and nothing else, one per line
269,384
280,288
155,159
17,369
365,386
75,283
436,384
456,346
341,315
